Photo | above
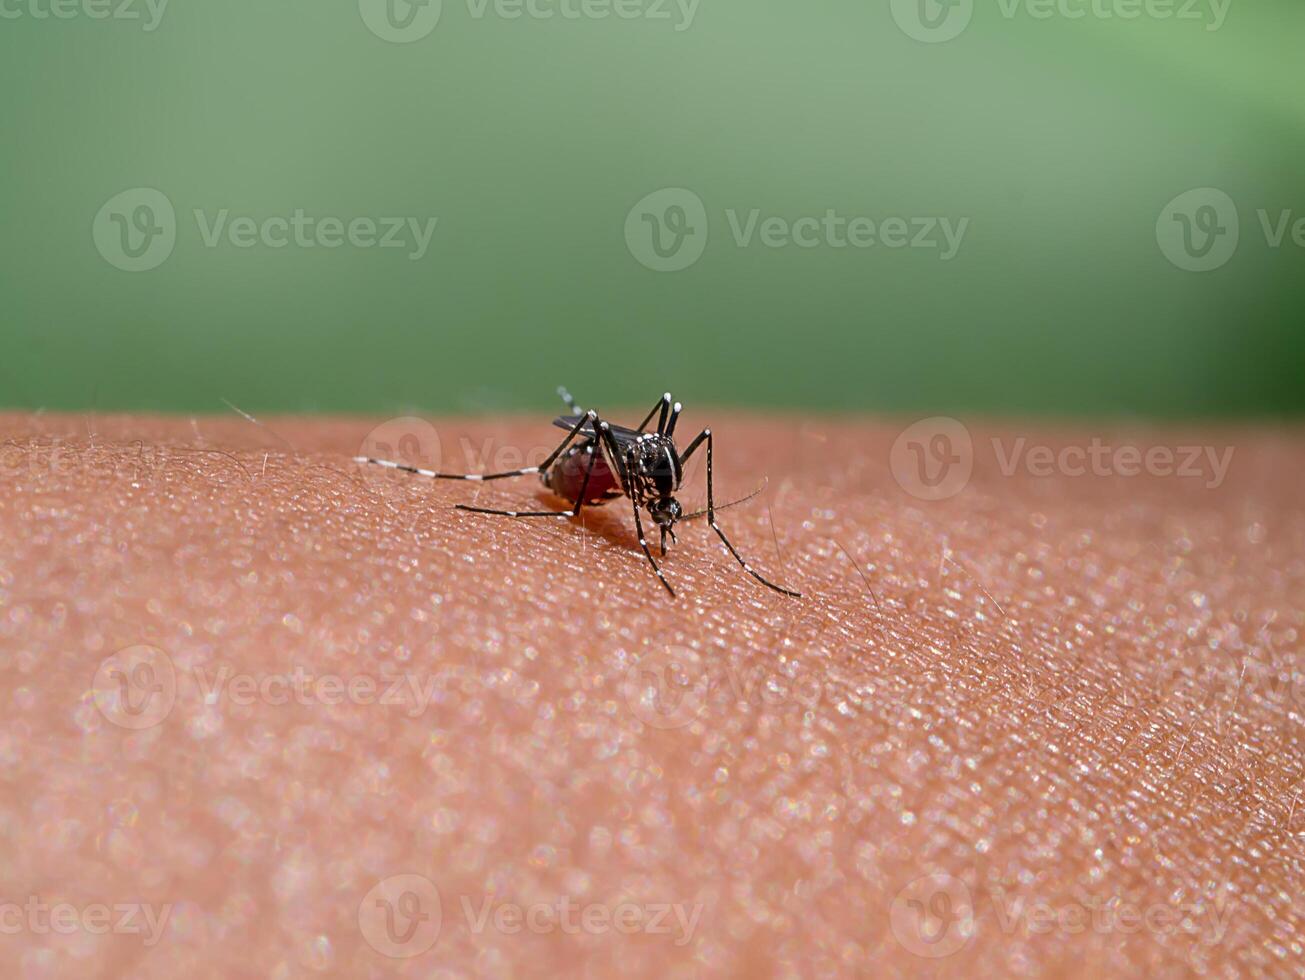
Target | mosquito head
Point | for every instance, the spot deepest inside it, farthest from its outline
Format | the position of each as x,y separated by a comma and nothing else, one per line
665,512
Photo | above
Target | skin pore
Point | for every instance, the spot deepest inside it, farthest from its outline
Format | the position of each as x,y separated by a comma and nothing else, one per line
1048,726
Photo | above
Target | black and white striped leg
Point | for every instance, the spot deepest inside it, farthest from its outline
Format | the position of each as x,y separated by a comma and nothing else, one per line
480,477
643,543
663,406
669,429
705,436
623,474
560,514
570,402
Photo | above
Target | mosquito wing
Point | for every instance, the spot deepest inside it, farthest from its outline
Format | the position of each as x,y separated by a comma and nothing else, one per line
620,433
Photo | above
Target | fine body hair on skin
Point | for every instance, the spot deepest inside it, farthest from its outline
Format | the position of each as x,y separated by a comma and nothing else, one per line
1049,726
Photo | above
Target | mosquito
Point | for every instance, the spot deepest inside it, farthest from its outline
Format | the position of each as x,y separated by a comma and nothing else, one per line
600,461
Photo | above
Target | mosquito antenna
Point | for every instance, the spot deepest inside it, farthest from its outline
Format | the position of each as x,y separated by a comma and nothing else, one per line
733,503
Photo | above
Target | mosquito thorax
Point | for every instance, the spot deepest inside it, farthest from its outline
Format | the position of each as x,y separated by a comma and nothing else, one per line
655,461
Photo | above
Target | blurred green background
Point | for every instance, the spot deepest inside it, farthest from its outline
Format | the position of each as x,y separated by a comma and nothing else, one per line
1061,140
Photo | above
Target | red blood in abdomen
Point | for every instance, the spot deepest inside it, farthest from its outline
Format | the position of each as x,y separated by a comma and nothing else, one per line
568,473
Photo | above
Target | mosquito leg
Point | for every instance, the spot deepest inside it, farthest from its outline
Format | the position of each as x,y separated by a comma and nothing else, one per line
479,477
643,543
663,406
675,417
560,514
705,436
570,402
692,447
607,441
605,434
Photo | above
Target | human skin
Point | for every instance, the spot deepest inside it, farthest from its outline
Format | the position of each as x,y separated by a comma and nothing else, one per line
1050,726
